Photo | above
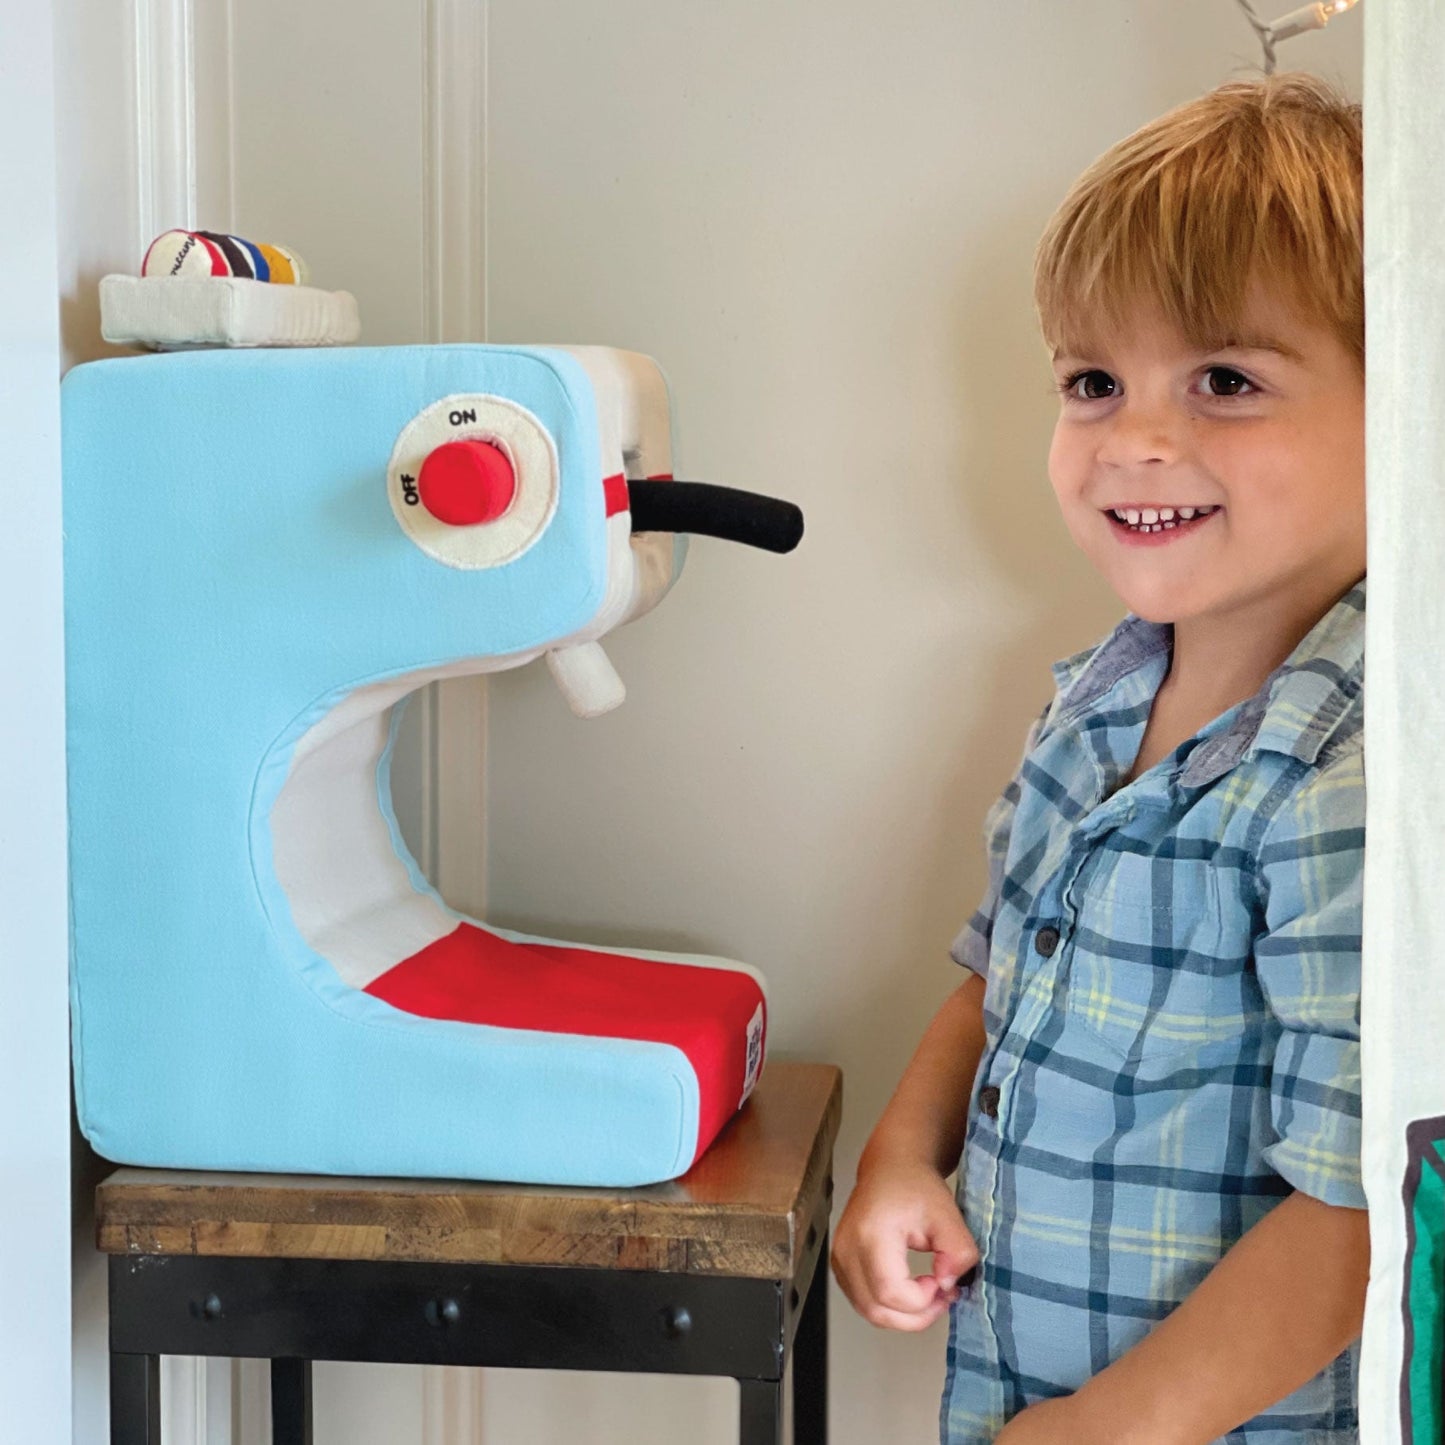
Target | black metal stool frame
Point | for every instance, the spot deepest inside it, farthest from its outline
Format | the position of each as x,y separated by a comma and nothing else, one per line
294,1311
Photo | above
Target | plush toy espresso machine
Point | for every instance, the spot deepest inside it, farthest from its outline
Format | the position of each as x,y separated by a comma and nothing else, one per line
267,552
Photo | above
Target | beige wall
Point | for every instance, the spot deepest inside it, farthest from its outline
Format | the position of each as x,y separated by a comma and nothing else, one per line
821,219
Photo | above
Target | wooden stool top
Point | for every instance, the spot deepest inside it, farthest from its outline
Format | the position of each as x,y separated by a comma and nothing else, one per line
744,1209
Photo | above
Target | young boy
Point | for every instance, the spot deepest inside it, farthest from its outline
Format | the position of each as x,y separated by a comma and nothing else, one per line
1151,1070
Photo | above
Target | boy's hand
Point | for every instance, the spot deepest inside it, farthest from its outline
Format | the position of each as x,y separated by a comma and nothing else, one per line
894,1208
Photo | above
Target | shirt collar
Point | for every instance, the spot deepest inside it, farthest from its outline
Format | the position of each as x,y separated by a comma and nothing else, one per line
1298,706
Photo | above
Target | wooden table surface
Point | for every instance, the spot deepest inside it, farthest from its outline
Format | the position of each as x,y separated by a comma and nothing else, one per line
744,1209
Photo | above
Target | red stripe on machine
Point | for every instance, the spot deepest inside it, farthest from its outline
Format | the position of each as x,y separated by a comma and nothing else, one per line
615,489
473,976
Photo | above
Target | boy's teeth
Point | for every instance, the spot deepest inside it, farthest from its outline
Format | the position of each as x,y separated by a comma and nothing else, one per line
1157,517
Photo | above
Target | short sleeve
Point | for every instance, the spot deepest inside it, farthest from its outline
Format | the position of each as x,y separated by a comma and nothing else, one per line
971,946
1311,864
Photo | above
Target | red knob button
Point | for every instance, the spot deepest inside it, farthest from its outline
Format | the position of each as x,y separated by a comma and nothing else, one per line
466,482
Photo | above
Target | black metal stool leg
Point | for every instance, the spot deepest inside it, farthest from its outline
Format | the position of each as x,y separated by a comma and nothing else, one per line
290,1402
135,1399
760,1412
810,1360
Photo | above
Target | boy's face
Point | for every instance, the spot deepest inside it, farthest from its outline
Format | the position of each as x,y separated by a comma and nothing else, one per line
1275,442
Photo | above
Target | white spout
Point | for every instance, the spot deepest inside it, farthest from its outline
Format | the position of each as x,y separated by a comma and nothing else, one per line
587,678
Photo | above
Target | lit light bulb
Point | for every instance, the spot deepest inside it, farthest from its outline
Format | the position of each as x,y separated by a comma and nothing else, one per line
1308,17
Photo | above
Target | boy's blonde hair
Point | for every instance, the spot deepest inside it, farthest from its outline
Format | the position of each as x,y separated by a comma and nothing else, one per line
1258,179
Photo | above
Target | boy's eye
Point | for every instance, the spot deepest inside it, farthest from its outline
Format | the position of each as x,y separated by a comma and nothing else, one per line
1233,375
1232,381
1066,387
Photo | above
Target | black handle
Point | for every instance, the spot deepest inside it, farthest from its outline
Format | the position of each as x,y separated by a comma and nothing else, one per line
711,511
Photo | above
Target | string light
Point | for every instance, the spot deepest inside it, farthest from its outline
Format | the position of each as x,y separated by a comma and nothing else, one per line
1307,17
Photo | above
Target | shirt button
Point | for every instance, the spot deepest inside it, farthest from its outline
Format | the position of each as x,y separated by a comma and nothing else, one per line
988,1100
1046,940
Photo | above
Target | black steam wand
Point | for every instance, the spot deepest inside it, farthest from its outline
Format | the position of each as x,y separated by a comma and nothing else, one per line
706,510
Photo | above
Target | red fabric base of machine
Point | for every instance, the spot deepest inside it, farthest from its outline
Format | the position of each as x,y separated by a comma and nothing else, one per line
472,976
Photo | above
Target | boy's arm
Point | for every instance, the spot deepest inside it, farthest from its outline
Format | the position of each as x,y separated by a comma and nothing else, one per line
902,1200
927,1117
1277,1308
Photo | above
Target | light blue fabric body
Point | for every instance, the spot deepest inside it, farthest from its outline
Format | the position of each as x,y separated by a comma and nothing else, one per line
1172,1018
233,568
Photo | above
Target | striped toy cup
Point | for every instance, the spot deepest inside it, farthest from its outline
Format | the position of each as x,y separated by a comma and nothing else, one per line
209,253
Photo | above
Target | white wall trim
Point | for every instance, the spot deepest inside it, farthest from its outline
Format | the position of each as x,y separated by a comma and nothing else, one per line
196,1395
454,170
36,1379
451,1406
197,1400
165,90
454,89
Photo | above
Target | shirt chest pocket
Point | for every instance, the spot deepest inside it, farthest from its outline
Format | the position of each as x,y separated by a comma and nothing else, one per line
1159,956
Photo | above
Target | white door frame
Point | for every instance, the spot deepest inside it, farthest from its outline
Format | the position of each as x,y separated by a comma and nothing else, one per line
35,1207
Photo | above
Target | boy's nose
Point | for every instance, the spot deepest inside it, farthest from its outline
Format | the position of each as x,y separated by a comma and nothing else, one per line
1138,434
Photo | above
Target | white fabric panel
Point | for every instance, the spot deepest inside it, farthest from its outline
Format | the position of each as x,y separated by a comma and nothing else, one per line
686,960
176,312
634,415
1403,992
351,896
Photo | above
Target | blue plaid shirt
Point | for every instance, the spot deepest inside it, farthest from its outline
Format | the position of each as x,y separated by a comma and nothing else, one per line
1172,1017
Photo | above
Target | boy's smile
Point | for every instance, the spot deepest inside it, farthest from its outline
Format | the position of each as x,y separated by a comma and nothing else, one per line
1219,490
1145,524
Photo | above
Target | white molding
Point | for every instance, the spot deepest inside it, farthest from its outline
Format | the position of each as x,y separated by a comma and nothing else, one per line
195,1394
197,1400
454,132
165,90
454,309
451,1406
37,1379
454,199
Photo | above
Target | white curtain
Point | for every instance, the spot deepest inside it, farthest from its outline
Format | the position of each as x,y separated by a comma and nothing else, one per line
1403,994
